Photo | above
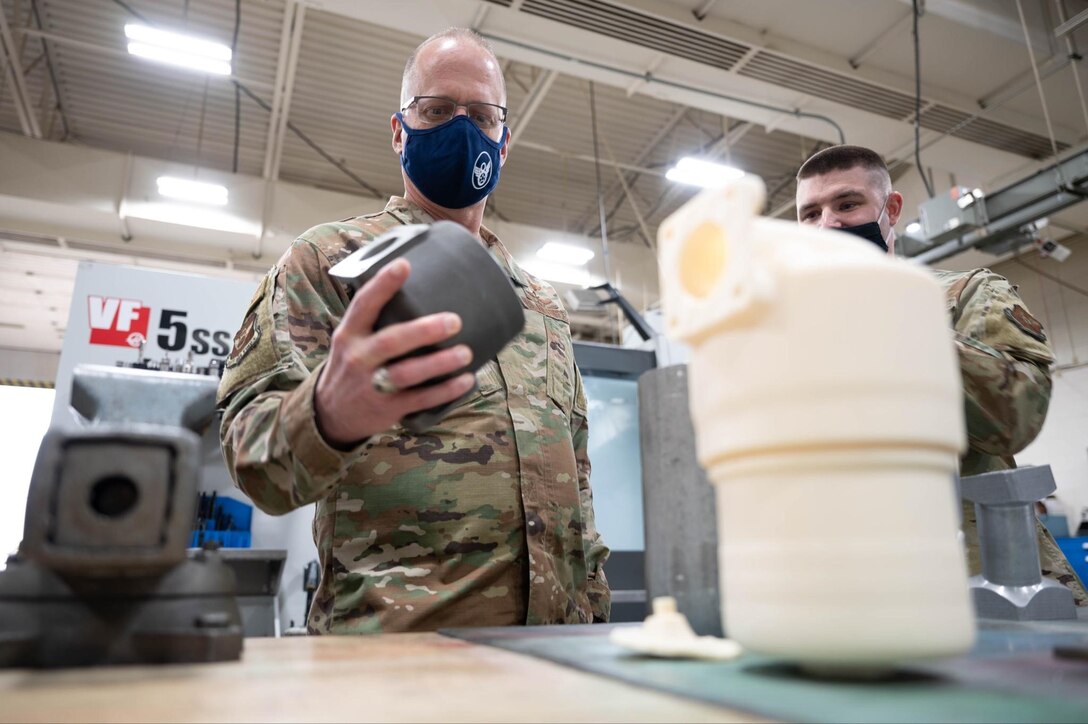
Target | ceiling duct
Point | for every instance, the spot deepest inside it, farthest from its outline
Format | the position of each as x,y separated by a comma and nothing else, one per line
22,237
634,27
804,78
989,133
683,41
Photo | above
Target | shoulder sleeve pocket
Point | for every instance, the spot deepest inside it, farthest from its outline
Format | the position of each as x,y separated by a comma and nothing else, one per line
561,370
253,353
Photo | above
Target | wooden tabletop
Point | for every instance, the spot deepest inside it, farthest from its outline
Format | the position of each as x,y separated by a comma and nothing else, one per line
388,677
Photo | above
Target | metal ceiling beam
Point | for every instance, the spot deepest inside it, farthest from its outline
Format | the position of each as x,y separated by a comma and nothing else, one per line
666,128
906,151
986,16
651,68
773,125
876,43
588,158
58,97
787,179
704,9
532,102
1071,52
643,228
745,59
1012,88
24,107
1071,24
481,15
1007,210
731,137
781,208
286,65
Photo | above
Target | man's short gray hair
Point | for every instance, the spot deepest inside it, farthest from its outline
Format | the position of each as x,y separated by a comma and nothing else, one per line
410,81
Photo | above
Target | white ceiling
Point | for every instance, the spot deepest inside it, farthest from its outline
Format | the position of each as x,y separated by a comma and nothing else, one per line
793,54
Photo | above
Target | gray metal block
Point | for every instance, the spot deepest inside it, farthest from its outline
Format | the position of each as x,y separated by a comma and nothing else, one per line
185,614
1047,600
102,576
122,395
1011,585
258,616
112,498
679,503
257,575
1019,485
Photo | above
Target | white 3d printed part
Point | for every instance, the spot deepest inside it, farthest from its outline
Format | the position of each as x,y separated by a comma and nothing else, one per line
824,385
666,633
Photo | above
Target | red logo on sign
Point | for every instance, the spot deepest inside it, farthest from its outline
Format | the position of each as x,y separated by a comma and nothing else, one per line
118,322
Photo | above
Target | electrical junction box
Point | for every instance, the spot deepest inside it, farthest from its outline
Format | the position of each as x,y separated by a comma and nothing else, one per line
951,215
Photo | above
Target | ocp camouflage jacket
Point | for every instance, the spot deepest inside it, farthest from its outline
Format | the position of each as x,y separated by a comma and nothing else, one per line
484,519
1005,361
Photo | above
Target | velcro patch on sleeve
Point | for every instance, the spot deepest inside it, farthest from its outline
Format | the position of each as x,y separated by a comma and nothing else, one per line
254,352
1026,323
245,339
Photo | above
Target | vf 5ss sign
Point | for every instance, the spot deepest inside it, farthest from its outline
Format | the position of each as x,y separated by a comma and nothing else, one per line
119,322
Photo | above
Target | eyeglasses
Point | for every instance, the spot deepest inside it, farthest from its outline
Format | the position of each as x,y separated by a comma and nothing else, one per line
435,110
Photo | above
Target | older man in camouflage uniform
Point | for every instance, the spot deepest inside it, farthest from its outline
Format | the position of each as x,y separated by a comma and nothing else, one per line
484,519
1003,352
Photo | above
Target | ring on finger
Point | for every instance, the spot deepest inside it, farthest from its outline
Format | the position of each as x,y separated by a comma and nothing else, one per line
382,382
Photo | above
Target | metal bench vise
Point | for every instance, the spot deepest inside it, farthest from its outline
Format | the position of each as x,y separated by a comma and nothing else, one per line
103,575
1011,585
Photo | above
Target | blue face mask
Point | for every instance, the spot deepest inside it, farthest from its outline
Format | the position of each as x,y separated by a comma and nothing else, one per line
455,165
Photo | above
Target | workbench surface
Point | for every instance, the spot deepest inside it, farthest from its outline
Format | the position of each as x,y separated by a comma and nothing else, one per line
387,677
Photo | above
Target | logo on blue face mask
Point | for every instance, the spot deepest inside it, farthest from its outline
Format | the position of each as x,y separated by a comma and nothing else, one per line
481,171
455,165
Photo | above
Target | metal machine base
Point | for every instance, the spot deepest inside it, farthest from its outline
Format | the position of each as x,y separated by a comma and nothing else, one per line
187,614
1011,585
1047,600
680,504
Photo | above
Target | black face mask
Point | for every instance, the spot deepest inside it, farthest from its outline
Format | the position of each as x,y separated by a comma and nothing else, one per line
869,232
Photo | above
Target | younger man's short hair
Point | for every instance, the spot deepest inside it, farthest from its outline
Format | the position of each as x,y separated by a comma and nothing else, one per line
843,158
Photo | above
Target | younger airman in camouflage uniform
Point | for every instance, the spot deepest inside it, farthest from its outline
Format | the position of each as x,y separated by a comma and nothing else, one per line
486,518
1006,362
1003,353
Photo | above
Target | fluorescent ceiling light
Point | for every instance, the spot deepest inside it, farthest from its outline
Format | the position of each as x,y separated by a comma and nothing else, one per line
171,212
699,172
185,51
176,41
565,253
913,227
563,273
195,191
173,57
